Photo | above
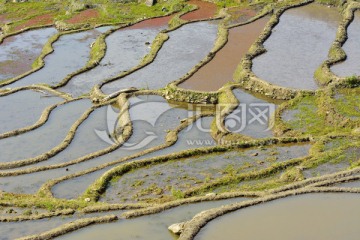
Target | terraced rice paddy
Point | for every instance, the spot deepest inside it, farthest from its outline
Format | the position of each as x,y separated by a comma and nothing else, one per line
209,118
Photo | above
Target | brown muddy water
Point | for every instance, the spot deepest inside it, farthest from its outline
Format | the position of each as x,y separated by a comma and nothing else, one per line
153,227
71,52
330,216
351,47
18,52
125,48
297,46
23,108
221,68
205,10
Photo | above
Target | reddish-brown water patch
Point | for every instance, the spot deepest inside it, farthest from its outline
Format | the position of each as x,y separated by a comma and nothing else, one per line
206,10
84,16
152,23
240,15
45,19
221,68
4,18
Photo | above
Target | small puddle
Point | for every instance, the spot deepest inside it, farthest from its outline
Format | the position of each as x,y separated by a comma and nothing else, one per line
44,138
312,216
351,47
18,52
205,10
23,108
251,117
152,227
297,46
174,60
71,52
221,68
125,48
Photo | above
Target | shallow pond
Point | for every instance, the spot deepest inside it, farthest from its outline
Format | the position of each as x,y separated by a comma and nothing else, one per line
297,46
351,47
153,227
174,59
71,52
44,138
23,108
18,52
221,68
313,216
251,117
125,48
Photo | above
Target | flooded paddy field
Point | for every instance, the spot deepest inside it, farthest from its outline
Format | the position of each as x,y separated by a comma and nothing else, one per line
125,48
175,58
351,66
333,216
148,227
221,68
153,153
18,52
49,135
74,187
297,46
71,52
174,177
243,119
24,108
